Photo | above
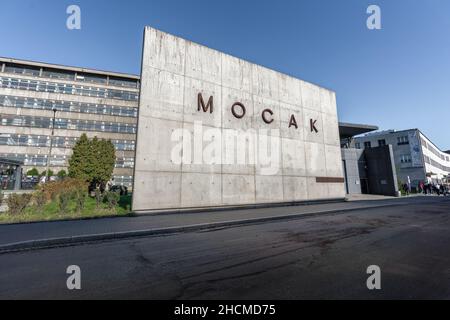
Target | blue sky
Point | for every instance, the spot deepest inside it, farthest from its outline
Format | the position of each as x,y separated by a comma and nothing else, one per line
397,77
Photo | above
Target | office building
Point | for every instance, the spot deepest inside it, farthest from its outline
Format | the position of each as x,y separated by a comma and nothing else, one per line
98,103
416,157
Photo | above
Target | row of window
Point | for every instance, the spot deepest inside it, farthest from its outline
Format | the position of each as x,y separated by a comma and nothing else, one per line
436,164
58,142
368,144
66,106
53,87
402,140
71,124
124,163
405,158
40,160
382,142
434,151
70,75
123,181
37,160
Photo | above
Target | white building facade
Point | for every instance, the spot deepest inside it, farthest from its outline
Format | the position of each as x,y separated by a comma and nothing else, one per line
416,157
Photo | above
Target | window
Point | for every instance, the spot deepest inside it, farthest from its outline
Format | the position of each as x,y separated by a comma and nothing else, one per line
124,162
20,69
58,74
402,140
358,145
122,82
382,142
86,77
405,158
424,143
123,180
367,144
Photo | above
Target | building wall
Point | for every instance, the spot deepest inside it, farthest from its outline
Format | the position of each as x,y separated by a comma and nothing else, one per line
354,164
96,103
437,163
381,172
174,73
408,158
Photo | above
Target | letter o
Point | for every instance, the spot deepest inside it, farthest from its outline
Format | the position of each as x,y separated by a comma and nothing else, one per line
233,111
264,116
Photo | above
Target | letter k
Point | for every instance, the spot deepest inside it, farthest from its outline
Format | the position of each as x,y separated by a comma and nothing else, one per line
313,125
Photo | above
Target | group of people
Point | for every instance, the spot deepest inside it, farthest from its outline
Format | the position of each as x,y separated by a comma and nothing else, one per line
433,188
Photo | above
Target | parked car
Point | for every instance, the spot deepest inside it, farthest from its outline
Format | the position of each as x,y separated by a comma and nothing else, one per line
121,189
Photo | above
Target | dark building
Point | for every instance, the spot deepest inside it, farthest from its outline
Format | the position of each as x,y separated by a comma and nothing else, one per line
370,170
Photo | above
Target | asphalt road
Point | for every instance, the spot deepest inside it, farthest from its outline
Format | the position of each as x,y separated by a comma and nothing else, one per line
320,257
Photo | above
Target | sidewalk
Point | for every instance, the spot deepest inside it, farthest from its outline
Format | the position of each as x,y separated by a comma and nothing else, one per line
24,236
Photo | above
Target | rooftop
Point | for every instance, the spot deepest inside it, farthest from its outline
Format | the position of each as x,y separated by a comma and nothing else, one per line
349,130
68,68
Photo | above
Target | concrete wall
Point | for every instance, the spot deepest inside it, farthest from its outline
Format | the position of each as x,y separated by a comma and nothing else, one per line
354,163
174,72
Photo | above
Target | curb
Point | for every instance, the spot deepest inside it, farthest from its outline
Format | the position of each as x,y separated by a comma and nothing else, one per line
82,239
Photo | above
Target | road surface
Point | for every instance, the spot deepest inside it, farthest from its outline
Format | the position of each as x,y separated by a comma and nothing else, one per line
319,257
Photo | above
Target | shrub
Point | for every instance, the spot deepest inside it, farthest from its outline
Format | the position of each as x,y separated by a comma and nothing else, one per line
1,197
50,173
17,203
98,198
62,174
33,172
112,198
80,196
39,199
63,201
68,185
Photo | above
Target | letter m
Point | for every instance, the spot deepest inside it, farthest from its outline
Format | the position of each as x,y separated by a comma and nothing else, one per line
201,104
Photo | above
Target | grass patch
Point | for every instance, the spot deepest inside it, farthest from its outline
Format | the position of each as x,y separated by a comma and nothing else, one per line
50,211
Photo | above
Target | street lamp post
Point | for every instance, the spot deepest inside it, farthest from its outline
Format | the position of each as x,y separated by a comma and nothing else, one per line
51,146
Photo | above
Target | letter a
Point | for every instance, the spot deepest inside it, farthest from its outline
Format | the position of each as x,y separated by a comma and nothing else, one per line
374,20
74,281
374,281
293,122
74,20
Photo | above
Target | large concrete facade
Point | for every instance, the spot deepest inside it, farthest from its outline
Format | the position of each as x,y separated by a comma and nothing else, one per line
190,91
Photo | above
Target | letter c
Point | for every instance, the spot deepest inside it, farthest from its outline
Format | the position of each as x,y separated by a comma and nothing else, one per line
264,116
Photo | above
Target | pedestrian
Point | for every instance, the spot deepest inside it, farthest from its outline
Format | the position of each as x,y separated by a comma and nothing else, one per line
406,189
421,187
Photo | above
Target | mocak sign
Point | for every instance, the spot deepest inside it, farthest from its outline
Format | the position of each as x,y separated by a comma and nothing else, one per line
238,110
